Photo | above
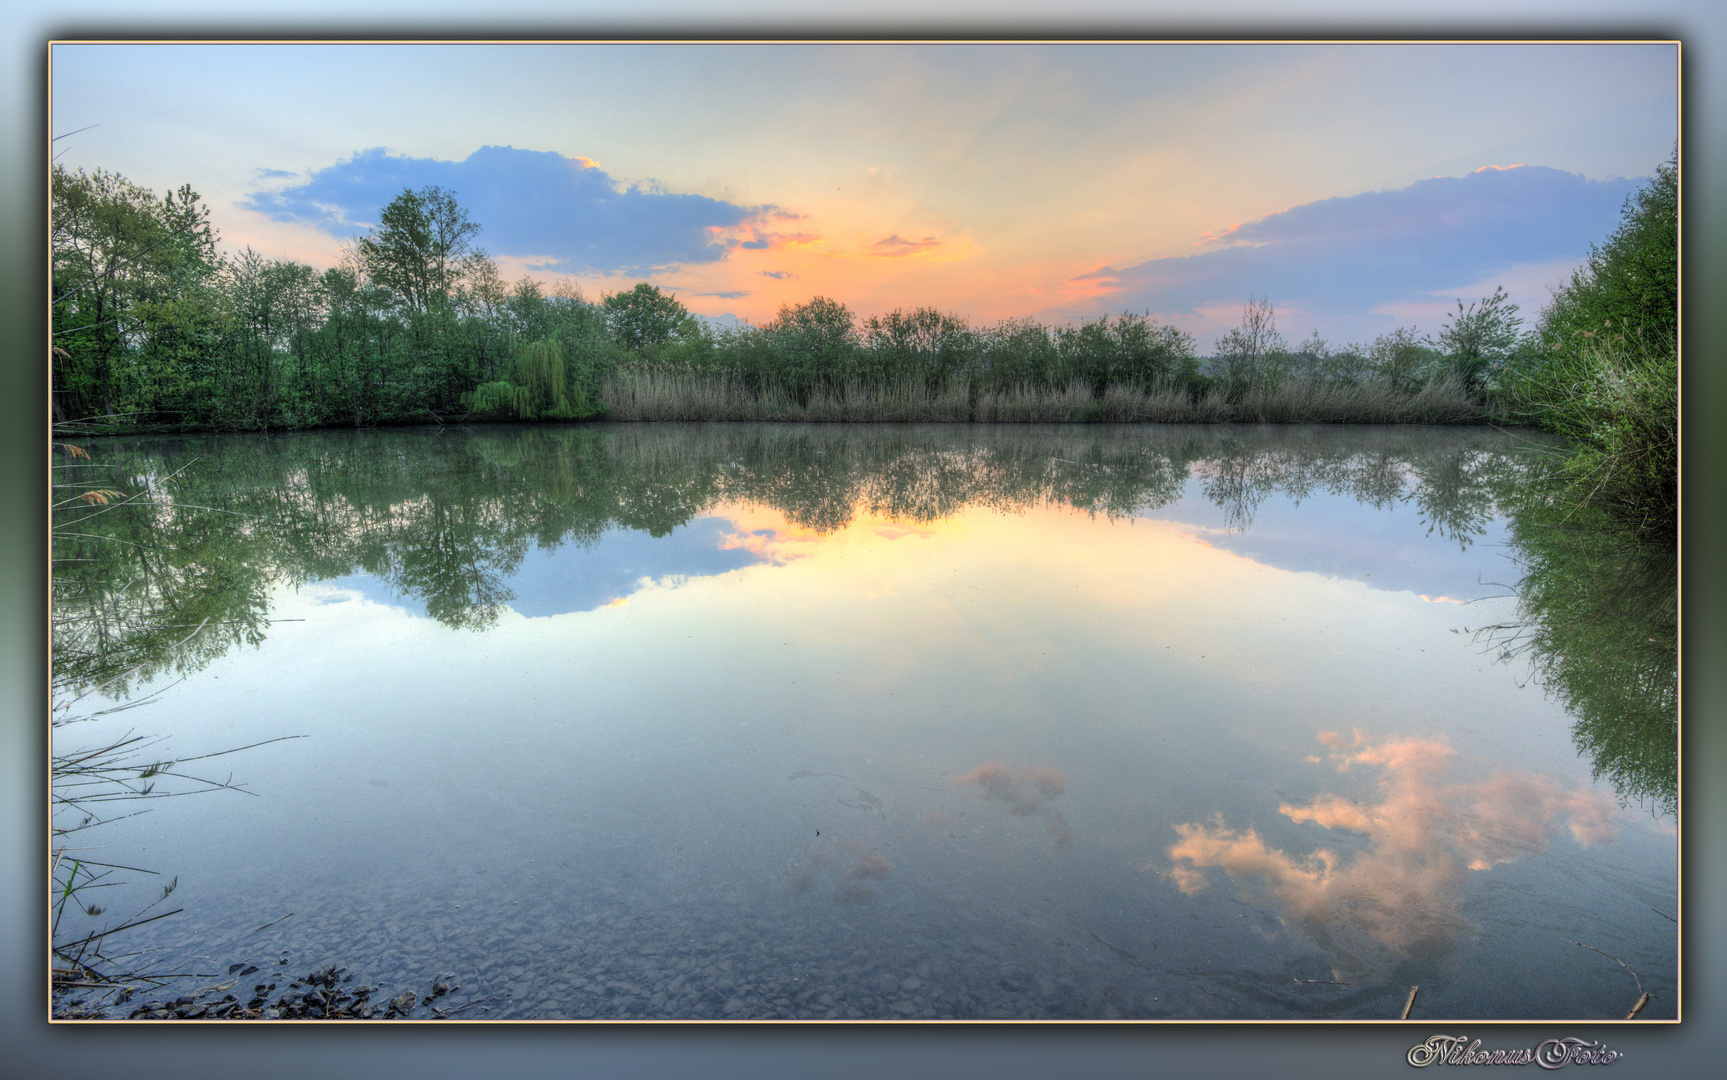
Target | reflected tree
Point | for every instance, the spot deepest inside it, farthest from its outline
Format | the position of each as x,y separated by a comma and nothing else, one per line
1598,625
445,517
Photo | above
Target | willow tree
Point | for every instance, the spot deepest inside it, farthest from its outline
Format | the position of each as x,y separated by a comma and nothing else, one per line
539,388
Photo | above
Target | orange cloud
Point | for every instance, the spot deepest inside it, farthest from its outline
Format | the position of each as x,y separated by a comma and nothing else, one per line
894,247
1209,237
777,546
1097,283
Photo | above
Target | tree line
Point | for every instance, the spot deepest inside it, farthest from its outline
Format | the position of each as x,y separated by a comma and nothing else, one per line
154,328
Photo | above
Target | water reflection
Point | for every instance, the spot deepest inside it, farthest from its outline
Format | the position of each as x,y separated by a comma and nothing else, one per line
1599,627
1025,791
879,700
603,572
1420,834
463,524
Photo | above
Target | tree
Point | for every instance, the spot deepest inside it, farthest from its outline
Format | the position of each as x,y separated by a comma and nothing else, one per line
1134,350
114,245
275,305
812,344
1253,354
419,246
1480,339
924,343
644,317
1401,358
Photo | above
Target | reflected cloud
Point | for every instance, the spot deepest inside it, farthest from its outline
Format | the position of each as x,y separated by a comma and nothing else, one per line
868,865
776,546
773,537
1425,833
1025,791
863,864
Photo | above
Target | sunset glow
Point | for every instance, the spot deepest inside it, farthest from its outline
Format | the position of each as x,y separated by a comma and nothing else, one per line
1002,181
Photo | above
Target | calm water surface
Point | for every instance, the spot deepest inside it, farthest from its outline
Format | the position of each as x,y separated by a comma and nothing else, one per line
877,722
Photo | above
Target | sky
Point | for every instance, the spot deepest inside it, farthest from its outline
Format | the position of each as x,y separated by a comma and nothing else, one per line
1359,187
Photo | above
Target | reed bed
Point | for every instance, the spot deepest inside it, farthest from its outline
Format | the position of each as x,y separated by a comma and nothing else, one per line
641,394
1443,401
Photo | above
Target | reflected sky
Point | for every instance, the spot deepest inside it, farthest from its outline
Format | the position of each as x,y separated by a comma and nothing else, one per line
580,577
1388,547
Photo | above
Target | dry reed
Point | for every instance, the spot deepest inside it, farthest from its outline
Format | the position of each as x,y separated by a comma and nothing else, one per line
648,395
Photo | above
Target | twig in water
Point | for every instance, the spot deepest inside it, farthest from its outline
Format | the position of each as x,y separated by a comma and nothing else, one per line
1616,960
1410,1004
266,926
1321,982
443,1014
1641,1001
1664,915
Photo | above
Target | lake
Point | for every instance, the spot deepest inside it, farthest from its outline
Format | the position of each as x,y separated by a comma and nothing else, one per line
888,722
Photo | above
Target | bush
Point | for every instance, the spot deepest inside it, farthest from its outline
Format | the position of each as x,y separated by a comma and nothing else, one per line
1480,340
1630,283
1618,400
1606,370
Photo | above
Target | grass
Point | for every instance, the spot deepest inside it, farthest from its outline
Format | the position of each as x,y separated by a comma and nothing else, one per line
1618,401
641,394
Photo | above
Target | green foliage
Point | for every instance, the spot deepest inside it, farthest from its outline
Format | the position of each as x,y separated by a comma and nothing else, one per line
1020,353
1402,359
814,345
174,365
925,344
499,401
644,317
1618,401
1630,285
1253,355
1132,351
1605,368
1479,340
539,388
114,246
419,245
